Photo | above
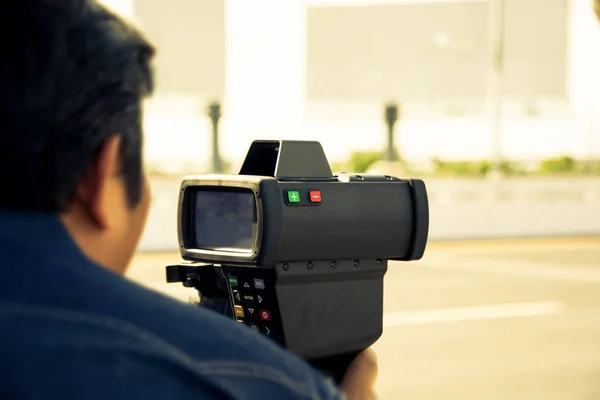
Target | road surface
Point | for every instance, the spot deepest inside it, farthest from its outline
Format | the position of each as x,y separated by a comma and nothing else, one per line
481,320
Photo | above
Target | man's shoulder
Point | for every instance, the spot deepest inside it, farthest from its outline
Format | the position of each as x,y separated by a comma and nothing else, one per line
71,354
74,353
103,320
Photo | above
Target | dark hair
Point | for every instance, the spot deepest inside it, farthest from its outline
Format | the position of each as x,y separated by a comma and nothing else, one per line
71,74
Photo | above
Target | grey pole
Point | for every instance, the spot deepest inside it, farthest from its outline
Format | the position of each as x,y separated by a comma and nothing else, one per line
391,116
214,113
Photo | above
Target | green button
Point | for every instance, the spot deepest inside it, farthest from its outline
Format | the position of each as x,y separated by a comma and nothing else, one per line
293,196
233,280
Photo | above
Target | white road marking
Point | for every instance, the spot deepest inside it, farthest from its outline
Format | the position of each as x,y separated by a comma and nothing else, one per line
461,314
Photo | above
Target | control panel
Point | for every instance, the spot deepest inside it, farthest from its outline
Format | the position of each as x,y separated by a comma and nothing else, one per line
294,197
254,302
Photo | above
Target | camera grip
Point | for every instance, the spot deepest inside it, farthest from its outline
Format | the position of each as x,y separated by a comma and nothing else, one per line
214,290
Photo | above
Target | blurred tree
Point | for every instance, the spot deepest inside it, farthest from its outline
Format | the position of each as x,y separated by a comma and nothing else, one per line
558,165
360,161
473,169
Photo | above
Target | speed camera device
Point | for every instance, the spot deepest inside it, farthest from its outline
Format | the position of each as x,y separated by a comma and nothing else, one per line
296,253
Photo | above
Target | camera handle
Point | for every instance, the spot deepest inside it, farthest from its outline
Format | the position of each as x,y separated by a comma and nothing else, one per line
212,287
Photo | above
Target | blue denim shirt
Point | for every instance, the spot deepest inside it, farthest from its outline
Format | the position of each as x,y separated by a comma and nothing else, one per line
70,329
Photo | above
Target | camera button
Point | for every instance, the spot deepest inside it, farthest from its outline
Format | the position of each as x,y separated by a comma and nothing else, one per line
239,311
265,315
267,330
293,196
237,297
315,196
259,284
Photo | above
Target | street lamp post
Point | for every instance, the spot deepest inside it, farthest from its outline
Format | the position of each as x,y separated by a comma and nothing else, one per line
214,113
391,117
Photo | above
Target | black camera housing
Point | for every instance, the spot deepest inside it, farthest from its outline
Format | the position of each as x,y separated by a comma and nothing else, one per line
311,274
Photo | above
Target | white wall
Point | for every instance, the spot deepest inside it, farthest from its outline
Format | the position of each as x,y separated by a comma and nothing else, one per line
265,83
584,76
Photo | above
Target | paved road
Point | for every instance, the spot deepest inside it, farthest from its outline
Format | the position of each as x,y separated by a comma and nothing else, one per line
482,320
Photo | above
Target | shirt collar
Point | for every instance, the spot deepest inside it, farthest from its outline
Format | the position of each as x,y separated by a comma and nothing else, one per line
41,233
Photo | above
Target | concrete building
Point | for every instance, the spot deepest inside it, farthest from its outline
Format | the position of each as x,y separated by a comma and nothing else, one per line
321,69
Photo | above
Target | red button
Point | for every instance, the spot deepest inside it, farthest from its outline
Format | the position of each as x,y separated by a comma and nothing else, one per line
265,315
315,196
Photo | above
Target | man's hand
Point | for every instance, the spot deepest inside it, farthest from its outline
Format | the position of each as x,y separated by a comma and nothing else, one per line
359,381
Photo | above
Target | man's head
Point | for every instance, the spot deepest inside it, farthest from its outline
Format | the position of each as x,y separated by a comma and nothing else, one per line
72,80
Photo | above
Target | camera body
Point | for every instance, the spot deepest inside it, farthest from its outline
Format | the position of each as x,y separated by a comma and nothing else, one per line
295,252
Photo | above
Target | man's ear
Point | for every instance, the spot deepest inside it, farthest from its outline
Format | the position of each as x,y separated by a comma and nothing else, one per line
95,193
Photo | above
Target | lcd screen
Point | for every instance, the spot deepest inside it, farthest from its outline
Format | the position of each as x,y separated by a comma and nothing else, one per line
225,220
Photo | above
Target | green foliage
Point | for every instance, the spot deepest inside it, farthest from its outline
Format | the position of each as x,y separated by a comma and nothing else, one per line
473,169
510,168
558,165
484,167
360,161
461,168
337,167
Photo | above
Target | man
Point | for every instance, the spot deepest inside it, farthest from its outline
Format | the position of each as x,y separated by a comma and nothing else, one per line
73,203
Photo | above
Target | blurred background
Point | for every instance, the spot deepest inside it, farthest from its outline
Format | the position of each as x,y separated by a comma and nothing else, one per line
495,103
